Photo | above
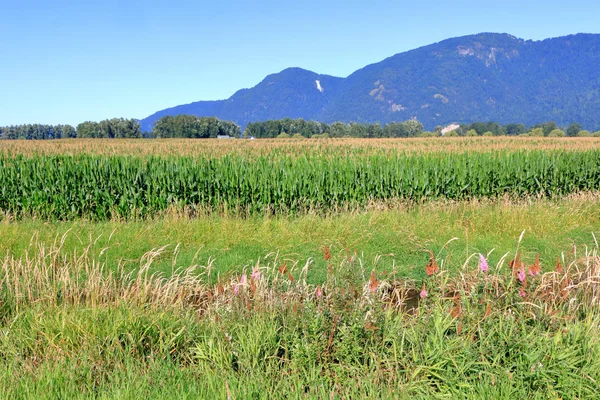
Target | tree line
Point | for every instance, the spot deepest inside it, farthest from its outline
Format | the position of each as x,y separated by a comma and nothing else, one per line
298,127
550,129
189,126
37,131
109,128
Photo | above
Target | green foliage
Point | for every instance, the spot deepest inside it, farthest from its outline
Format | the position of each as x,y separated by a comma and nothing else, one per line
488,134
547,127
596,134
453,134
37,132
283,135
573,129
557,133
515,129
429,134
189,126
71,331
536,132
471,132
273,128
584,133
105,187
116,128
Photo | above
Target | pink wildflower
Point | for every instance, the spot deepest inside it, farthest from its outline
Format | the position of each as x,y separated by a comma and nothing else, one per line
242,282
256,274
423,293
319,292
483,265
521,275
522,292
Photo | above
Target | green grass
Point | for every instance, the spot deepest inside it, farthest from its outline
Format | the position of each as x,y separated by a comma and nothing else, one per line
386,240
97,335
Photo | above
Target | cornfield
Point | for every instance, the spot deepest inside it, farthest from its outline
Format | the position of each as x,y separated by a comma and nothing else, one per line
100,187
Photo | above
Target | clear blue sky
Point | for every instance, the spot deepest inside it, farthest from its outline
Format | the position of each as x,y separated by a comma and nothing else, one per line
70,61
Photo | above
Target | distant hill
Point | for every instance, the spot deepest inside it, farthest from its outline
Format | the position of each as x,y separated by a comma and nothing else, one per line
484,77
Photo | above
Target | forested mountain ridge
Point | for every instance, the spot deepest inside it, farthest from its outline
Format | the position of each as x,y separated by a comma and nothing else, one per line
483,77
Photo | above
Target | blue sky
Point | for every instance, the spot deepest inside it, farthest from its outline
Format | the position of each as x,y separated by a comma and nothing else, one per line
70,61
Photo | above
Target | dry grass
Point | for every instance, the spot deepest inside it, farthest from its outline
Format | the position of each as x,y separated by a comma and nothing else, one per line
217,148
71,329
53,277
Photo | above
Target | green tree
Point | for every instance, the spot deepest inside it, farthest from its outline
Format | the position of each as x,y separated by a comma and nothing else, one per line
557,133
536,132
89,129
338,129
515,129
573,129
413,128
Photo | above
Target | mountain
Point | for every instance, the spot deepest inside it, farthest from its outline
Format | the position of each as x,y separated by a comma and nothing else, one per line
483,77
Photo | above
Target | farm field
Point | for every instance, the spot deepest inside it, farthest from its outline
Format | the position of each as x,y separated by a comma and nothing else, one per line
304,269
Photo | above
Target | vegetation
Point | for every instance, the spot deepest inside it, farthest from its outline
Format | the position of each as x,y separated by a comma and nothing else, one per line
188,126
105,187
37,132
516,329
451,267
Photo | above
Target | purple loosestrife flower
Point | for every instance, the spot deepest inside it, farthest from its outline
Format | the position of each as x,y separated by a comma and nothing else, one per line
256,274
242,282
423,293
319,292
483,265
521,275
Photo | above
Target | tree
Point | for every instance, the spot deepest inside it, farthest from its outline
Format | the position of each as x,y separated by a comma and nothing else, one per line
338,129
547,127
536,132
413,128
515,129
557,133
584,133
573,129
471,132
89,129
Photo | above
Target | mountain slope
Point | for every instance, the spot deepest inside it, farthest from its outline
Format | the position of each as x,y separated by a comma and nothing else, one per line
484,77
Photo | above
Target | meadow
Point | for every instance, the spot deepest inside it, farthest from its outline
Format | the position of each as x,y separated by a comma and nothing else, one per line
462,268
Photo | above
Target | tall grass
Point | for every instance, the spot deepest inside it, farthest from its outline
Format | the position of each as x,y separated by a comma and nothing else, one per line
106,187
66,320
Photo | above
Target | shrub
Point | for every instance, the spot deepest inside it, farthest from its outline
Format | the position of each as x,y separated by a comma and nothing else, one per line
536,132
557,133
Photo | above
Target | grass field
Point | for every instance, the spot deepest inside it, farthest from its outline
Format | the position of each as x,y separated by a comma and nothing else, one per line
480,296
